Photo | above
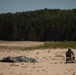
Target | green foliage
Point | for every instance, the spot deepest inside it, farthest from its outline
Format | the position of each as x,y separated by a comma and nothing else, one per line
48,45
39,25
60,44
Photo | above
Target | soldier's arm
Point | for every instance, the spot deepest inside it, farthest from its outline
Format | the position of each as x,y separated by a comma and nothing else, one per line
72,53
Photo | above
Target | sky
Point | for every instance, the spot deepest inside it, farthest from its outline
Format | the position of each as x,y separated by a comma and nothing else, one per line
30,5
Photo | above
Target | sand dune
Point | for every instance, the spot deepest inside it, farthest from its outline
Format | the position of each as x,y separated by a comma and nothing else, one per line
50,62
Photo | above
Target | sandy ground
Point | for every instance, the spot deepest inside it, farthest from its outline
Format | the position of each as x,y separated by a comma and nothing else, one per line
50,61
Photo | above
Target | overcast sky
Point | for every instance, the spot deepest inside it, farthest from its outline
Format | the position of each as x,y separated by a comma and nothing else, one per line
28,5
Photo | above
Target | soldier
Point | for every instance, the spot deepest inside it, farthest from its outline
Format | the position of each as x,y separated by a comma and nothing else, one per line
70,55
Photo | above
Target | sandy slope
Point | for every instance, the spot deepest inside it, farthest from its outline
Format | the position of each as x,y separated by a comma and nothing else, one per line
50,62
18,44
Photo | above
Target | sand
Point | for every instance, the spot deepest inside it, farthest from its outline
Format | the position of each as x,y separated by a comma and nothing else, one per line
50,61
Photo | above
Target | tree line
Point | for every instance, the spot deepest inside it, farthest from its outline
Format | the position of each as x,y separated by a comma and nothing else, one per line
39,25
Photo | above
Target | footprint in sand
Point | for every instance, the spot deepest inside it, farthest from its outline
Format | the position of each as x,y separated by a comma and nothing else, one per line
37,53
33,67
37,70
43,70
65,73
24,66
14,65
40,66
55,63
1,73
46,71
73,74
61,62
